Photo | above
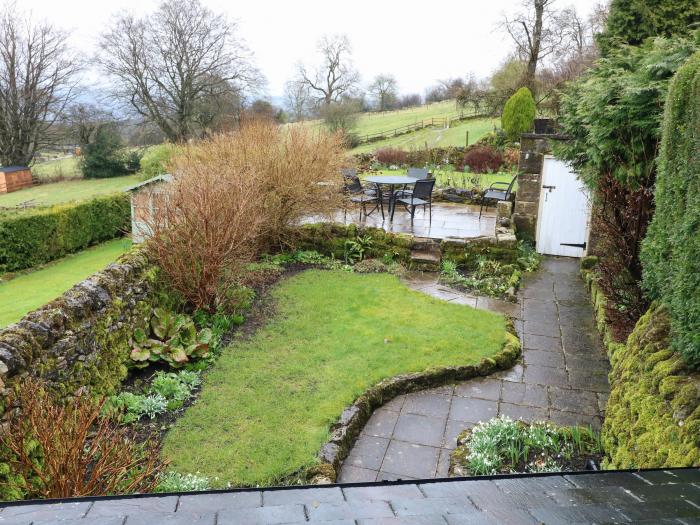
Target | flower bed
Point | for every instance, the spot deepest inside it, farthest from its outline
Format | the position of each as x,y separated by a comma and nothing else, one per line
504,446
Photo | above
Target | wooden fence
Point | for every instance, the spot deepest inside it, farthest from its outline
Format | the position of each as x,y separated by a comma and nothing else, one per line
445,122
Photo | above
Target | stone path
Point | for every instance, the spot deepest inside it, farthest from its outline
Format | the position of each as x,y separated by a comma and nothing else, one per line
562,377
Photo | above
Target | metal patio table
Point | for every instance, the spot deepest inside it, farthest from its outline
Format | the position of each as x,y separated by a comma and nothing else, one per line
392,181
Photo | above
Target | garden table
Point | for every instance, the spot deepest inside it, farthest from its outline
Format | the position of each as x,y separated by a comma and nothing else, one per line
392,181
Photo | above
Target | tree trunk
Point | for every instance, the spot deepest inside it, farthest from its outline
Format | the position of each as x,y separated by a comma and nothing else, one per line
535,46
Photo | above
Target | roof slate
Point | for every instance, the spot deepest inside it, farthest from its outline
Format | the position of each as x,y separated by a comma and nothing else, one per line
648,496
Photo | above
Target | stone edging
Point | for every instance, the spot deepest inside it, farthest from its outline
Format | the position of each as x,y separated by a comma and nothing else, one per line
344,433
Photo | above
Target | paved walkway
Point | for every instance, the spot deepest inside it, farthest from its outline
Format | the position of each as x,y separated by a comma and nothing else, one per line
562,378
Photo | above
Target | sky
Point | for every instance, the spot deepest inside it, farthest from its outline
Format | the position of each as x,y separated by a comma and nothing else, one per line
416,41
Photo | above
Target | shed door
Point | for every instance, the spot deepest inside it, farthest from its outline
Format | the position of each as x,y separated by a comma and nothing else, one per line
564,211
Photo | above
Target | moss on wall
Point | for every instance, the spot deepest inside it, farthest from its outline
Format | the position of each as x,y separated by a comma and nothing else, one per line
652,418
653,414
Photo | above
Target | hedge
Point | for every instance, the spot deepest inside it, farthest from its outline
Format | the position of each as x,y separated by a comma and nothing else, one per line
671,251
35,237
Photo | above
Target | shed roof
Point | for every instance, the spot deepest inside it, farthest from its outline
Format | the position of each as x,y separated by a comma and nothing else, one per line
10,169
166,177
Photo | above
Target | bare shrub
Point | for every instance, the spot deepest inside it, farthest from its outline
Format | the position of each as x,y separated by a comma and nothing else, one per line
483,159
66,450
235,196
391,156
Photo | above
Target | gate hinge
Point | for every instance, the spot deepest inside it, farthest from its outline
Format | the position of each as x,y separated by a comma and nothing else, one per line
581,245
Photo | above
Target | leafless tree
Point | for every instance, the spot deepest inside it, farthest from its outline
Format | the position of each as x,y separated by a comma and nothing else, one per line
37,81
167,64
83,120
384,89
335,76
536,33
297,99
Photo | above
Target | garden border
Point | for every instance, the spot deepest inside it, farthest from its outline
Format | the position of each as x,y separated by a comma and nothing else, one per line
346,430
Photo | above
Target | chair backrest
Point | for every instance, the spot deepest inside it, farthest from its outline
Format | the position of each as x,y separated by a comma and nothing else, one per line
417,173
423,189
353,184
348,173
510,187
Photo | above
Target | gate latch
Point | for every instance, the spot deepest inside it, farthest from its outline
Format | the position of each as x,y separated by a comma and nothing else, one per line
550,188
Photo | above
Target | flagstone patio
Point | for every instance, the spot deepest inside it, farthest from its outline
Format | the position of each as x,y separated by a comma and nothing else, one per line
448,220
562,378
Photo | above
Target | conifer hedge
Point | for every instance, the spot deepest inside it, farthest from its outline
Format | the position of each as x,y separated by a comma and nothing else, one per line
671,250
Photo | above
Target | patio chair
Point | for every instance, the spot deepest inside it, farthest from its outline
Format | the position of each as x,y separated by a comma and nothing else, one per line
414,173
493,193
351,179
422,195
363,199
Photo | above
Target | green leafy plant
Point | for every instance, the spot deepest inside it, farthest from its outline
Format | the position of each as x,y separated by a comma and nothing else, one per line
128,407
174,340
519,114
528,258
355,249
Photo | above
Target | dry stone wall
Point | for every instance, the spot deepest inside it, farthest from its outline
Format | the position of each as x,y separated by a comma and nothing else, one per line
81,339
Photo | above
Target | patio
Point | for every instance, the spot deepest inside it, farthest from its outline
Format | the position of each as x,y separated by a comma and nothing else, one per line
448,220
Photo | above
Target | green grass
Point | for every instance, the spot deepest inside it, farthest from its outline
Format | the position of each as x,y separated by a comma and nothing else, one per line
375,122
67,167
267,404
435,137
69,190
29,291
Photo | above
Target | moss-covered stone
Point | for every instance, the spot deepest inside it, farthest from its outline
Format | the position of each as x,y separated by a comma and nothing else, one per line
653,414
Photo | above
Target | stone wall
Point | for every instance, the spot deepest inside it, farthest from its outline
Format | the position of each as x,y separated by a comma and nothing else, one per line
82,338
329,239
533,148
652,417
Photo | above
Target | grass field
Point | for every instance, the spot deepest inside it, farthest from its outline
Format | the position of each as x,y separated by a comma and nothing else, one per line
65,167
435,137
375,122
29,291
69,190
268,402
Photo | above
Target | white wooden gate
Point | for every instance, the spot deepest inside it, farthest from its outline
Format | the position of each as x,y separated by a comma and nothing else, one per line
564,211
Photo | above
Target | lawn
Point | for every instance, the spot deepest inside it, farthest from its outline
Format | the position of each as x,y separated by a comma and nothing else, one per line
268,402
29,291
69,190
435,137
67,167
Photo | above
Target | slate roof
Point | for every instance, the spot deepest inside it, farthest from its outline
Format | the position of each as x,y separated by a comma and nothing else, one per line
642,497
166,177
11,169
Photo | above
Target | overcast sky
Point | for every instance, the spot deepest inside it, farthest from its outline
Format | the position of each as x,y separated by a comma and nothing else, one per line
417,41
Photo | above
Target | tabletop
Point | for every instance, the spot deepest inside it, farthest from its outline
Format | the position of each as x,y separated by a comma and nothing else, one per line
390,179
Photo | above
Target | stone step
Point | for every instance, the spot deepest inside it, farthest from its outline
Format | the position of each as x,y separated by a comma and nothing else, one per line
425,260
426,244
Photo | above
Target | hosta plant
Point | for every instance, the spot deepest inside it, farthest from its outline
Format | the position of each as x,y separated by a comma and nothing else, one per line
173,339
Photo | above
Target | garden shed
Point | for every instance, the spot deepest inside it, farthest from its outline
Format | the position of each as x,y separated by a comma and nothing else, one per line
145,199
13,178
